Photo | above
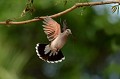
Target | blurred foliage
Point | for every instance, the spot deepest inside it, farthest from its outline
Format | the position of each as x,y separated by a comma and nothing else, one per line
29,8
92,51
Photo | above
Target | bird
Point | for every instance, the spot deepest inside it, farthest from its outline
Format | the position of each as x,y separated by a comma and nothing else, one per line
51,52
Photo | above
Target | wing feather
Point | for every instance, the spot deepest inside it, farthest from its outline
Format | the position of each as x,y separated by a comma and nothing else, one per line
51,28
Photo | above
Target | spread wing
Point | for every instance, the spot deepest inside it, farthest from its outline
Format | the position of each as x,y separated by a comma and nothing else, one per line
64,25
51,28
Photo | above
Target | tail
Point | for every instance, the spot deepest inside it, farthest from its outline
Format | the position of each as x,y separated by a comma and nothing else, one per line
44,53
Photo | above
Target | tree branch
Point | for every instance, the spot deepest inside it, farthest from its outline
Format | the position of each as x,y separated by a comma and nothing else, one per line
77,5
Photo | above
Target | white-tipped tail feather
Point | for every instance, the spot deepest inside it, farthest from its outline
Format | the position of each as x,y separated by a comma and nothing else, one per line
44,53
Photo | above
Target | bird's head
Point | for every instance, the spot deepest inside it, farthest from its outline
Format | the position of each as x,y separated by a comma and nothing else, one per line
68,31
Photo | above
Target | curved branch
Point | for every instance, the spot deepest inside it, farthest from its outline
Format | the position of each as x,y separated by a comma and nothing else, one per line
77,5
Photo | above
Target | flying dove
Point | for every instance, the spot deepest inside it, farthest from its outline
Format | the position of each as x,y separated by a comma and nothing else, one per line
51,52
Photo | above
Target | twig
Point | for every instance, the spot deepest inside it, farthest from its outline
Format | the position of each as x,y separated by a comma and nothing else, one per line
77,5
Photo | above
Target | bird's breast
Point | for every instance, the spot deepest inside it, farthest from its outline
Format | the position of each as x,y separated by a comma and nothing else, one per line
59,42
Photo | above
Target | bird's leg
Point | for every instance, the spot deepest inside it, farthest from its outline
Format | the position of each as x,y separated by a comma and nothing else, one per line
54,51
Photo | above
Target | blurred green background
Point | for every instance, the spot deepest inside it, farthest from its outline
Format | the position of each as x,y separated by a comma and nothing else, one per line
92,51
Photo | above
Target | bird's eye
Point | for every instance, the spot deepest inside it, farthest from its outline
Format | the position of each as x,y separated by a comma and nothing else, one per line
67,30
